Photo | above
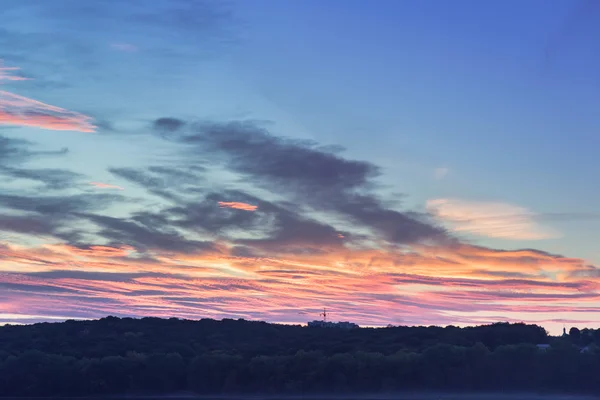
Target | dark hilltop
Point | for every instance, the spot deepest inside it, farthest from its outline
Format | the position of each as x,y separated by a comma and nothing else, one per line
152,356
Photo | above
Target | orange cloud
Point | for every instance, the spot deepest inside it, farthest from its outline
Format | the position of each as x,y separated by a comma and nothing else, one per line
429,285
106,186
93,251
237,205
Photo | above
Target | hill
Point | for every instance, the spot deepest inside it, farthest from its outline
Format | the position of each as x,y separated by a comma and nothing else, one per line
159,356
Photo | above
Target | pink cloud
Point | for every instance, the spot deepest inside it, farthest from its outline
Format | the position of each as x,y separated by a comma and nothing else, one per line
23,111
106,186
5,73
371,287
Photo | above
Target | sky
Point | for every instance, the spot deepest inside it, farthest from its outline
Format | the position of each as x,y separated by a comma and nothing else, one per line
396,162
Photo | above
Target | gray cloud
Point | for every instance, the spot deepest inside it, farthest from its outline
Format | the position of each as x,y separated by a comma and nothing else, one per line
35,288
146,232
33,225
54,216
312,176
15,152
52,178
164,181
38,215
58,206
61,216
167,125
98,276
280,228
297,165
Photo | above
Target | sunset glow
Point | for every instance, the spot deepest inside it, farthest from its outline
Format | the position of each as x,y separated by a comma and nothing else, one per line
414,177
237,205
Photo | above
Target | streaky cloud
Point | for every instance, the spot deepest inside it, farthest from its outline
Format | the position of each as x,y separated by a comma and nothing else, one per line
237,205
491,219
23,111
321,234
308,174
52,178
101,185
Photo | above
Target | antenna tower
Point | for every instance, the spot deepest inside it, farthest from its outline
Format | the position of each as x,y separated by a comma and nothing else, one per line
324,315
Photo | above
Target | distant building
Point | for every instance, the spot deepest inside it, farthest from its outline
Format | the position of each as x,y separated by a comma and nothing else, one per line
339,325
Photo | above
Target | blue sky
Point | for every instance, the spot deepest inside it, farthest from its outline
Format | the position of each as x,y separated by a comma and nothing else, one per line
481,114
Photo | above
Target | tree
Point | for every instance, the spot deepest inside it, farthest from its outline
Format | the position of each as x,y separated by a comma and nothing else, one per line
575,335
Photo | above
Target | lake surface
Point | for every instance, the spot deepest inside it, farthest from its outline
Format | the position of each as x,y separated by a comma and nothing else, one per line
415,396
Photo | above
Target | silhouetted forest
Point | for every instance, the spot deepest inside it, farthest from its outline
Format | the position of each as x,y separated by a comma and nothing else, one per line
158,356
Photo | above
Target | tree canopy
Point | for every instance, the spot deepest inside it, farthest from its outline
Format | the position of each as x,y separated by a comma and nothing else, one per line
159,356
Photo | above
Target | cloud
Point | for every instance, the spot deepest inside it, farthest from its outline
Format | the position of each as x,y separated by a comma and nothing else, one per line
69,48
145,232
169,182
6,73
167,125
52,178
54,205
311,175
33,225
273,227
16,151
412,287
23,111
237,205
14,155
276,289
106,186
13,150
491,219
319,234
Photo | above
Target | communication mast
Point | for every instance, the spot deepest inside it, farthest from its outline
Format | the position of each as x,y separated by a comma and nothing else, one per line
324,315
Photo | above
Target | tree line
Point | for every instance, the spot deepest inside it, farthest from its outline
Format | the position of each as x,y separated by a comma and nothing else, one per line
158,356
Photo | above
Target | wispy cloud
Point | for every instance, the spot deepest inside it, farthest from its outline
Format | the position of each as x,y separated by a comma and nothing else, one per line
415,288
22,111
237,205
491,219
318,234
6,73
106,186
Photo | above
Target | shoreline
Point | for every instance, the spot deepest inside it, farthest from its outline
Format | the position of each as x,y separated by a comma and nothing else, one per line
398,396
